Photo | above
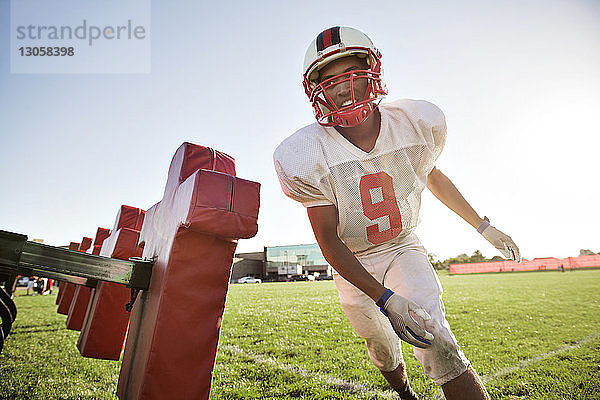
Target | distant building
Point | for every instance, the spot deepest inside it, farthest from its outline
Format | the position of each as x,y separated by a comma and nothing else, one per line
301,259
279,263
248,264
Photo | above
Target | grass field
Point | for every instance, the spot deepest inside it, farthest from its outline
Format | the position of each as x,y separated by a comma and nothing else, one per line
529,335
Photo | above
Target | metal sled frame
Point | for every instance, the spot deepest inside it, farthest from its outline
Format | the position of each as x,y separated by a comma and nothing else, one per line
19,256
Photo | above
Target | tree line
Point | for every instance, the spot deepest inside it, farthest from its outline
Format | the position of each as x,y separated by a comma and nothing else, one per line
460,259
477,257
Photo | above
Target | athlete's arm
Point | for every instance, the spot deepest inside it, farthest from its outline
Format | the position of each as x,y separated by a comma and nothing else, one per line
324,224
445,191
443,188
397,308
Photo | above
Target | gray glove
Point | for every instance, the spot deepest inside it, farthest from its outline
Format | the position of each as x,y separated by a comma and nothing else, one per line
397,308
499,240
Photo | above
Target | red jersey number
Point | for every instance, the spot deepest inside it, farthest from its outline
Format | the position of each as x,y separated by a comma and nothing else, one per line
379,200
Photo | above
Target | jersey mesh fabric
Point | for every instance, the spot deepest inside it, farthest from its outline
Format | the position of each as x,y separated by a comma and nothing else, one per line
318,166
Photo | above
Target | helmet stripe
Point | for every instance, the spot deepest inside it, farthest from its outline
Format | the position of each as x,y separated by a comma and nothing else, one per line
328,38
335,35
320,46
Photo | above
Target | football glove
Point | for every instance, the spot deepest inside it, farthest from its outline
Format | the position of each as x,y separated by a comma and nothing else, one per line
397,308
499,240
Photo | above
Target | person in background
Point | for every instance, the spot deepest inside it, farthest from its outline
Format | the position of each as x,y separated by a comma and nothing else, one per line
31,284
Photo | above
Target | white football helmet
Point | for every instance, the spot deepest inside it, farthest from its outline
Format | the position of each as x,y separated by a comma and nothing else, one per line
331,44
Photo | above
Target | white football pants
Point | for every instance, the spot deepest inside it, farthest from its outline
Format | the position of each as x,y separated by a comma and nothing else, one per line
406,270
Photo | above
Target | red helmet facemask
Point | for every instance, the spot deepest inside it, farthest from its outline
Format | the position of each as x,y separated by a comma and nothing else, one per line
361,105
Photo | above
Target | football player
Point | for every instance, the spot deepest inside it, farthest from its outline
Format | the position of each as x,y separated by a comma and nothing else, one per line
359,171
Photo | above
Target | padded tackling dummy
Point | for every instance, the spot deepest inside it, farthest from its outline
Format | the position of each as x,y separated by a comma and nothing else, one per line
174,326
79,306
129,217
86,243
67,298
101,235
66,289
81,296
61,291
62,286
106,321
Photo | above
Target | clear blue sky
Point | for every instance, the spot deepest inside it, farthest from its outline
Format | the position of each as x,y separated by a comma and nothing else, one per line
517,80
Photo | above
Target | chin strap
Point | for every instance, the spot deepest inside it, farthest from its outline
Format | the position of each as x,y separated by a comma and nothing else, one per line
352,118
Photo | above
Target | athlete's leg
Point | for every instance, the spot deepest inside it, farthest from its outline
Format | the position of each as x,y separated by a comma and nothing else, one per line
412,276
383,345
467,386
398,380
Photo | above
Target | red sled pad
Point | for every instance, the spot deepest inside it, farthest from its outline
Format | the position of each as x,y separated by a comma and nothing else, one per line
224,206
63,286
65,301
189,158
105,325
86,243
79,307
129,217
104,329
96,249
171,346
61,291
208,202
101,235
122,244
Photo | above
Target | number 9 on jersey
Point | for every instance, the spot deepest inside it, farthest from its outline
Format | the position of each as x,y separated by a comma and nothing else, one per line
378,201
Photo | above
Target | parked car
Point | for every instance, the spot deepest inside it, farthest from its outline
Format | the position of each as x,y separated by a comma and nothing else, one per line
325,277
298,278
249,279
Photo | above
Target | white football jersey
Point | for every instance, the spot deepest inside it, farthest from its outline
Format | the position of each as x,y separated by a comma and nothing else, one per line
377,194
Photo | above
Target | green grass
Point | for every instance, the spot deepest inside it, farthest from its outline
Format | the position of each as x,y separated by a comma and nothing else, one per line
292,340
40,359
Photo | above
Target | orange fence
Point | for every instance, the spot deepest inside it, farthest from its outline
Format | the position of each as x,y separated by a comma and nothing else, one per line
537,264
